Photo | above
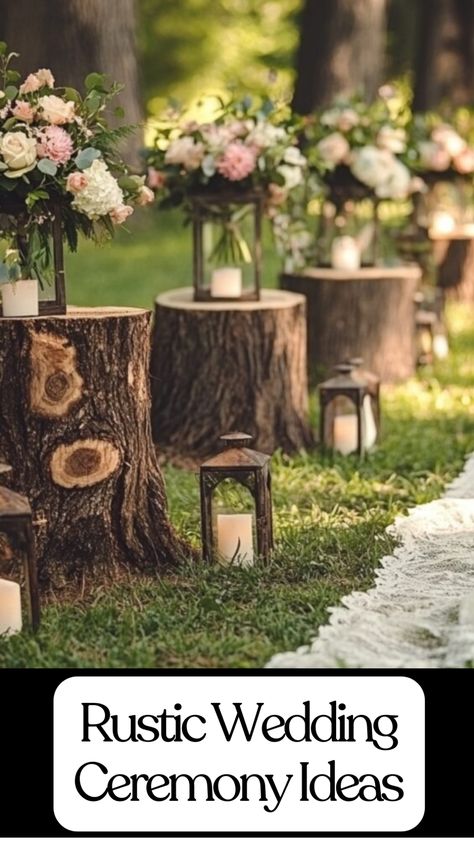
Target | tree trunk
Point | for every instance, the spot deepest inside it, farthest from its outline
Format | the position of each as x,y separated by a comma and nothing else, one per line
445,56
74,38
217,368
372,317
454,259
341,51
74,424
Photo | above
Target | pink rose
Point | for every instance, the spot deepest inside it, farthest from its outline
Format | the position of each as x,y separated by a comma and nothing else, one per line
56,144
434,157
464,162
120,213
23,111
75,182
145,196
30,85
155,178
237,162
334,148
45,77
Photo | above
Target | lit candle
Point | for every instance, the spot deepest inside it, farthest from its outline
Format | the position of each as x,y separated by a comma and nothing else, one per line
370,428
442,223
226,282
235,539
20,298
345,254
345,434
440,346
10,607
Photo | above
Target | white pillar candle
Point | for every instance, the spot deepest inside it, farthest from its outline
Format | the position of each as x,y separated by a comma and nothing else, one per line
226,282
345,254
442,223
235,539
345,434
10,607
20,298
370,427
440,346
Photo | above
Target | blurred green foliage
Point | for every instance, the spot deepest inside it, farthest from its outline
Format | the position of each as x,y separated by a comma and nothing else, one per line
194,46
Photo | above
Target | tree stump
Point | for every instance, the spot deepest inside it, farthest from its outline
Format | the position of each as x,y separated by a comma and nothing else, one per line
223,366
74,425
369,313
454,260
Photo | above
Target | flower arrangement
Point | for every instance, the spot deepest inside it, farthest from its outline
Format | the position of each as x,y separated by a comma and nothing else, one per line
359,150
58,155
439,149
246,148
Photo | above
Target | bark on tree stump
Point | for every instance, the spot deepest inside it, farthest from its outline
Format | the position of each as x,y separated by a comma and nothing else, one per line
223,366
369,313
74,425
454,260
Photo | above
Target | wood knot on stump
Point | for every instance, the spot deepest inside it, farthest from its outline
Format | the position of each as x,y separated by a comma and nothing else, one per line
55,383
83,463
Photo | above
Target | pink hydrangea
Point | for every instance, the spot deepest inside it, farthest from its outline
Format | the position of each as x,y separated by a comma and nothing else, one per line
23,111
55,143
237,162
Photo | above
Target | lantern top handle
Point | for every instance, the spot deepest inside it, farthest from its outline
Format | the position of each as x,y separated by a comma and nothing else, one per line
355,362
344,368
236,439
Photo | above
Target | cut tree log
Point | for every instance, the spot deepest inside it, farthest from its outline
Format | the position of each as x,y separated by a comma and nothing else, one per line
369,313
218,367
454,260
75,426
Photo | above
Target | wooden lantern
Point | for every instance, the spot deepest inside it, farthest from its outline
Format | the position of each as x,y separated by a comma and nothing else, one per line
348,423
233,537
16,524
54,303
227,245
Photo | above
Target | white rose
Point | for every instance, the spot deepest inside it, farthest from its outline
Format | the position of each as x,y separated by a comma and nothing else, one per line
101,195
55,110
372,166
398,184
449,139
294,156
265,135
392,139
19,153
333,149
292,175
186,152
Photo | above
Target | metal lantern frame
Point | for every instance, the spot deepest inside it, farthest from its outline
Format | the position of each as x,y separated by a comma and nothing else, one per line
200,215
57,304
343,385
373,385
249,468
343,188
16,522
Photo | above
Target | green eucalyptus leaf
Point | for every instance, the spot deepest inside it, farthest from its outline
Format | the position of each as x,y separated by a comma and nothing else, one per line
3,48
11,91
72,94
12,76
95,81
85,157
46,166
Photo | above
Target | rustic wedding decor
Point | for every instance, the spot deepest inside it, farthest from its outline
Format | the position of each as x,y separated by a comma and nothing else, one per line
74,424
348,423
60,176
16,524
228,534
238,365
368,313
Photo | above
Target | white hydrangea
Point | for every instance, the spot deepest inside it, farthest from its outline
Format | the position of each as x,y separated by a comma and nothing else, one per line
398,185
265,135
293,175
372,166
101,195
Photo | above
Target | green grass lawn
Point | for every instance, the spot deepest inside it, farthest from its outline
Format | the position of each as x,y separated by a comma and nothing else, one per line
330,515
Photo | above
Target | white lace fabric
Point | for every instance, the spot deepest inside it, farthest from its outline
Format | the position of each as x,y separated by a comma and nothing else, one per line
420,612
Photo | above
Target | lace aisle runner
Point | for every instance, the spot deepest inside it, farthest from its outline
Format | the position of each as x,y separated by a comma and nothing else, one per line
420,612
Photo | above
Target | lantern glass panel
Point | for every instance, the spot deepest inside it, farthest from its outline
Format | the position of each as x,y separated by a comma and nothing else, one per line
227,249
353,218
341,425
233,513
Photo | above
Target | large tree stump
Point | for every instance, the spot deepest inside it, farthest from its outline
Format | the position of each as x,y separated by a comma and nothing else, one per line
74,425
369,313
223,366
454,260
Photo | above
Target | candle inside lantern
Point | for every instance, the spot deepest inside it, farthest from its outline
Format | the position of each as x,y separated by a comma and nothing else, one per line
345,254
442,223
226,282
440,346
235,539
370,427
345,439
10,607
20,298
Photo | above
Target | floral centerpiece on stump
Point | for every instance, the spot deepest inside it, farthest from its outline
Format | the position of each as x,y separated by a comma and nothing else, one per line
224,173
358,151
60,175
